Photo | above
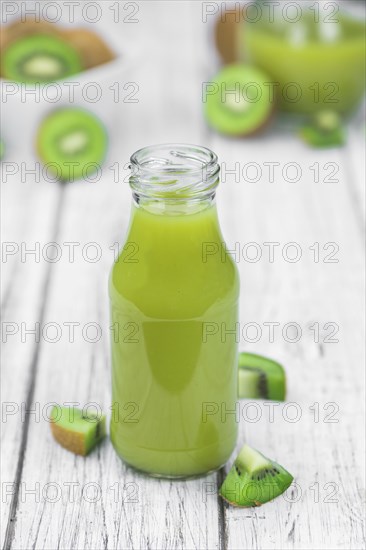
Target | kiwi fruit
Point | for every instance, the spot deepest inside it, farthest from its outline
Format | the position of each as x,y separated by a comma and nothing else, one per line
39,58
75,431
239,102
254,479
261,378
227,27
92,49
325,129
72,141
22,28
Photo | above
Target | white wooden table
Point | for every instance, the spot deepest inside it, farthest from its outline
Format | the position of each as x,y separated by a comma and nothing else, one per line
53,499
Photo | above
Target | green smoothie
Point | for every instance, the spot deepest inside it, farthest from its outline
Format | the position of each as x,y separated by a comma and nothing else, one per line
174,383
315,64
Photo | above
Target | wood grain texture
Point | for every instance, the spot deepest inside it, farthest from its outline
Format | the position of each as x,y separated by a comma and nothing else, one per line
98,502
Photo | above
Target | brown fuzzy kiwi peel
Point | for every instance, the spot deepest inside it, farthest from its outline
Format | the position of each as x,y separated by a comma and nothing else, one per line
21,29
91,47
226,34
76,432
71,441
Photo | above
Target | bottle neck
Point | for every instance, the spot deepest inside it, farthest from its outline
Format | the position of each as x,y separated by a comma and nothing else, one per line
181,207
174,178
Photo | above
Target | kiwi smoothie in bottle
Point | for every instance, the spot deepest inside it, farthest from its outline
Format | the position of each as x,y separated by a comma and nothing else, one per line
174,309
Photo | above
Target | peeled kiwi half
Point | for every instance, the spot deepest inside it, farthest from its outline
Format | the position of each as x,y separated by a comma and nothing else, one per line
75,431
39,58
238,101
254,479
260,378
73,142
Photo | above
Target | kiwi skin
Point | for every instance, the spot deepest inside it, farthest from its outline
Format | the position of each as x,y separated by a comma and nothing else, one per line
226,34
76,432
270,375
19,29
93,50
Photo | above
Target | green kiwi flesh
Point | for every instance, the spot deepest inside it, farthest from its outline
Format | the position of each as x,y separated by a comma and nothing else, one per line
238,101
40,59
254,479
73,142
260,378
324,130
75,431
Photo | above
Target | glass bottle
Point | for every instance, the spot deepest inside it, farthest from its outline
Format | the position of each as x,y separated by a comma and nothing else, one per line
174,305
314,52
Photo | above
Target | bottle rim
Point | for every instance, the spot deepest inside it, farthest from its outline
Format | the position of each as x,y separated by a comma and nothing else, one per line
174,171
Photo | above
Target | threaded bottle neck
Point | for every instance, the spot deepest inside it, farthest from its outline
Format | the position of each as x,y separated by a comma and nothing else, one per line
174,173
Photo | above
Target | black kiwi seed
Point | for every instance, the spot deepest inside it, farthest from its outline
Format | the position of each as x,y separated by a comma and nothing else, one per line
237,470
262,386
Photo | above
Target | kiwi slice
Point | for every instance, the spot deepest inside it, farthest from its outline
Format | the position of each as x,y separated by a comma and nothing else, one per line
91,47
324,130
261,378
39,58
239,102
77,432
254,479
73,141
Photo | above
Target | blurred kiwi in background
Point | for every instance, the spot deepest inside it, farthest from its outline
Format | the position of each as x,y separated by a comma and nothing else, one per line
45,52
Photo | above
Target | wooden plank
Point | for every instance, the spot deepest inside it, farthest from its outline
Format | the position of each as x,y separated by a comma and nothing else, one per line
304,292
29,222
353,158
146,513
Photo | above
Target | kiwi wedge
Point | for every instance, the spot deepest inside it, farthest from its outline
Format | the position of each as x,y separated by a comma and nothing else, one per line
91,47
254,479
260,378
73,142
39,58
238,101
77,432
324,130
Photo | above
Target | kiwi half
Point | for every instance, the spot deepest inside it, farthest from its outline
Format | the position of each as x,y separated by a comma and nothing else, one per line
239,102
39,58
261,378
254,479
72,141
75,431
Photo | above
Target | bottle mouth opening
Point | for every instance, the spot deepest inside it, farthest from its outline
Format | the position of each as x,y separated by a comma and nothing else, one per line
174,171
